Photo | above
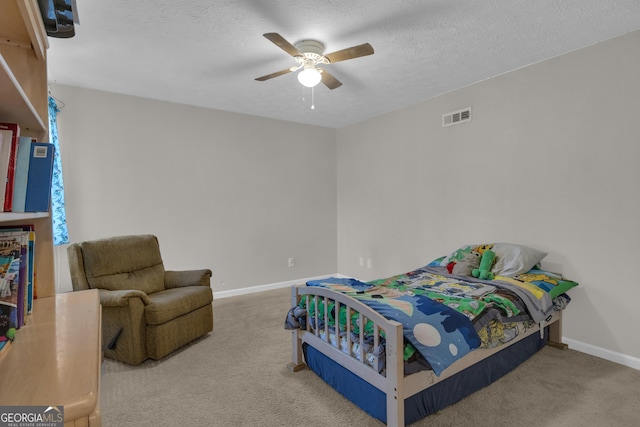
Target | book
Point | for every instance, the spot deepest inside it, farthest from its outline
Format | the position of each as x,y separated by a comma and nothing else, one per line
39,177
14,255
11,167
21,174
29,258
4,343
8,324
5,147
8,301
17,276
31,275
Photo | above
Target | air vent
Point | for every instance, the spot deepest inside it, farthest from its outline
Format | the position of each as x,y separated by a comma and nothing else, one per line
456,117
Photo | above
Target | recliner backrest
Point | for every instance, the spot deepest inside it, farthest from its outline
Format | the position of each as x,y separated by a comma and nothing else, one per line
122,263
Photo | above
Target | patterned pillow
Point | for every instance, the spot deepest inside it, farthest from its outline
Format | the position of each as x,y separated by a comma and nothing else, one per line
552,283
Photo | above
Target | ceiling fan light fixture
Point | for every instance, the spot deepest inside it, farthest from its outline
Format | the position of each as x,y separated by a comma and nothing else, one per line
309,77
309,54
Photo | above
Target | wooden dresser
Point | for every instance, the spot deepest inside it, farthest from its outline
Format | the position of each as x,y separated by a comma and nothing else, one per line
56,357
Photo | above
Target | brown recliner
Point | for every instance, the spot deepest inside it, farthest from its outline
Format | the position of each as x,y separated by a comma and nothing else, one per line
147,311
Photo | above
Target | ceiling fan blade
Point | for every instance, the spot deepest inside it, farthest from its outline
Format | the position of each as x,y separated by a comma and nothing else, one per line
280,41
272,75
330,81
350,53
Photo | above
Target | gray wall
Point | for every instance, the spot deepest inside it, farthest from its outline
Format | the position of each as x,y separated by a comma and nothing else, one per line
234,193
550,160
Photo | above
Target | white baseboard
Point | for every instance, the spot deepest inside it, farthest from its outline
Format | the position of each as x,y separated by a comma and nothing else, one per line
269,287
612,356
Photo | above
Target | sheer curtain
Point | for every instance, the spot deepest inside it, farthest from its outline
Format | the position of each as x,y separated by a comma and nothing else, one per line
58,215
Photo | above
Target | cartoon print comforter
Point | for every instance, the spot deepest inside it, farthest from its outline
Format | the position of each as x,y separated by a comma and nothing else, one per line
473,295
442,313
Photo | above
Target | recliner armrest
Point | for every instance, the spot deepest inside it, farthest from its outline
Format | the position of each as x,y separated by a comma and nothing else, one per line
178,279
121,298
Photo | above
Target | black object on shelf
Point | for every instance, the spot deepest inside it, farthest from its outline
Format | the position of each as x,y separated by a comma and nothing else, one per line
59,17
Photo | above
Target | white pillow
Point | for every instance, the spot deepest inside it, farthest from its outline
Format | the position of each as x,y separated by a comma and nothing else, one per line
512,259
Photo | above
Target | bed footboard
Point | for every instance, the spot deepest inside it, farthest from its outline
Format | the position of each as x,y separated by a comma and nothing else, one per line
343,342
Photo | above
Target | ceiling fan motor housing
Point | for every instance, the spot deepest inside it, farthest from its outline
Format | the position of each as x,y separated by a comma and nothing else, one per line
310,46
311,51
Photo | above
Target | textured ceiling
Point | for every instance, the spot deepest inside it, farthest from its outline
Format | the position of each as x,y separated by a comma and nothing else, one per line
208,53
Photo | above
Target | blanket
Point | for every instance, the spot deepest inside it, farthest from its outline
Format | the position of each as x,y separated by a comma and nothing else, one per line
441,334
538,302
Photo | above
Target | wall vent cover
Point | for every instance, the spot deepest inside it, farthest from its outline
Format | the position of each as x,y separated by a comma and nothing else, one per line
456,117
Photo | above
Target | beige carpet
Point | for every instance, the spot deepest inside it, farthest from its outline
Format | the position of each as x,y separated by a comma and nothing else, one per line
237,376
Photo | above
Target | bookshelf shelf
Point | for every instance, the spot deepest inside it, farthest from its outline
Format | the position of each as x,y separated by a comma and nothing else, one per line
23,100
22,216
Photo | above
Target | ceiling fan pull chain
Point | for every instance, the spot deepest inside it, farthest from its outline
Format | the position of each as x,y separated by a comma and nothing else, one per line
313,107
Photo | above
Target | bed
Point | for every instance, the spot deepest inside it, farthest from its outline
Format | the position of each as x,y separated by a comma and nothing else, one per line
404,347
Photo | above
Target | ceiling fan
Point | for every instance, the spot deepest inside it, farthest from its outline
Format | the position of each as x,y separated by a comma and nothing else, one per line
309,54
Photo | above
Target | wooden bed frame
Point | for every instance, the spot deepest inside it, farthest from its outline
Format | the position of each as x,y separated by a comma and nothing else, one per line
395,384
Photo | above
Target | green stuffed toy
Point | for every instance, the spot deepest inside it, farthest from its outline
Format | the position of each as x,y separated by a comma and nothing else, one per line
484,271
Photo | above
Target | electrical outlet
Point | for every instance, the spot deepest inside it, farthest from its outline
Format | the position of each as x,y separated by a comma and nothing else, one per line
292,262
369,263
361,261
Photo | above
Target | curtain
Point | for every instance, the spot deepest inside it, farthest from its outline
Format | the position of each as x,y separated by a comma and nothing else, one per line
58,215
